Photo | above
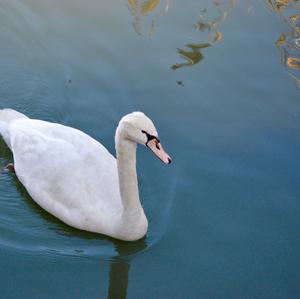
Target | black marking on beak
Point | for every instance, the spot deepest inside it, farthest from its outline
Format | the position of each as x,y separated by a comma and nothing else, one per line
151,137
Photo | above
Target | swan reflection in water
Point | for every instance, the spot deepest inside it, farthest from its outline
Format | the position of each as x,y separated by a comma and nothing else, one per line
120,265
288,43
140,9
210,27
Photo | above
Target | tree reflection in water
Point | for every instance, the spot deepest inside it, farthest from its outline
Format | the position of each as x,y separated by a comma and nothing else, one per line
192,56
143,8
288,43
208,25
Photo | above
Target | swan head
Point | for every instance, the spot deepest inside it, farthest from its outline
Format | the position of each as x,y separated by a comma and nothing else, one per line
139,128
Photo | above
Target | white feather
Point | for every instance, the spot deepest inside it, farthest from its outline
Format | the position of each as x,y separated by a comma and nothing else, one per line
74,177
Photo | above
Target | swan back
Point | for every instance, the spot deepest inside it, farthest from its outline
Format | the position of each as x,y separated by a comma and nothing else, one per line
68,173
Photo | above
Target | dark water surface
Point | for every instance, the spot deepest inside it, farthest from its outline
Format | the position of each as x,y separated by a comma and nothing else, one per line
221,82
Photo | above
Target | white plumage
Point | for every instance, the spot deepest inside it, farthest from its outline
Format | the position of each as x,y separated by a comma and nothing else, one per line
75,178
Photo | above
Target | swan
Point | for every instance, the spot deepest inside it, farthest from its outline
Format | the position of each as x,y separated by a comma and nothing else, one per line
75,178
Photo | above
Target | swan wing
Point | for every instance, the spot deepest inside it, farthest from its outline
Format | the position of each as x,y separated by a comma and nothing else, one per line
67,173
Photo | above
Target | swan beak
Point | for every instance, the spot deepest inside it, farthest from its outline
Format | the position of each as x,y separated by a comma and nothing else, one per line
158,151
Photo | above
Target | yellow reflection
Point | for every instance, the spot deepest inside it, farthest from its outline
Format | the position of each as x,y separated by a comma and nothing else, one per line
281,40
277,5
293,62
210,28
143,8
288,43
295,18
140,9
217,37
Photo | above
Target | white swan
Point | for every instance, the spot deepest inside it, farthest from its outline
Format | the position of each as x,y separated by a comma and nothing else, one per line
74,177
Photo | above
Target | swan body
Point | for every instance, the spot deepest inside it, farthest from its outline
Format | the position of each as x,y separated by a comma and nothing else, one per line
75,178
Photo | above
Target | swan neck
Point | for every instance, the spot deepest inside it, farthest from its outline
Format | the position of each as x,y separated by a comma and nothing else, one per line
133,223
128,183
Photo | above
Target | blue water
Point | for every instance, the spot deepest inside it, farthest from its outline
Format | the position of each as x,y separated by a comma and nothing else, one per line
224,217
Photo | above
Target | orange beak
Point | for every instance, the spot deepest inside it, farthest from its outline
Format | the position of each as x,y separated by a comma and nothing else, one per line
158,151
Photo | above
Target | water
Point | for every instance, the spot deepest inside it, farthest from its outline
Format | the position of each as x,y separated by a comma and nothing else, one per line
221,82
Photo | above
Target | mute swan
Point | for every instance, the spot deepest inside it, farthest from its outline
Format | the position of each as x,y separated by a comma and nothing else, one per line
75,178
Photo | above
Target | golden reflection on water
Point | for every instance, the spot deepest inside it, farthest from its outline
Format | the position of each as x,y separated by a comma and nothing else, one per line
143,8
210,26
209,33
288,43
205,25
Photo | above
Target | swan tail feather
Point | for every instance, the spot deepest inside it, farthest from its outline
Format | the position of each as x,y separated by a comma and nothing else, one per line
6,117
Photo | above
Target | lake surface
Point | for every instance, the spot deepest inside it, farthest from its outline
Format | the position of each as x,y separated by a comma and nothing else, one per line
221,82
